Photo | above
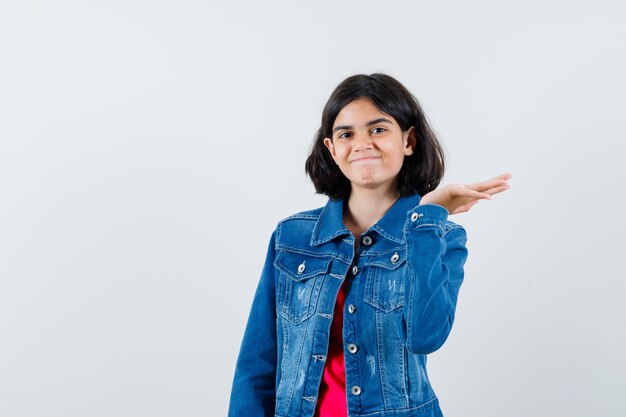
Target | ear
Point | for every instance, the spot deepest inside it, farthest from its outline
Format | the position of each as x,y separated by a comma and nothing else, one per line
330,146
409,141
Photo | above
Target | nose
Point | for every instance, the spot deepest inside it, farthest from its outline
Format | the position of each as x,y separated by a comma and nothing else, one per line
362,140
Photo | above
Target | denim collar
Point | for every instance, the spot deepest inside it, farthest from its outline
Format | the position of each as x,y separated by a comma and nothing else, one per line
330,223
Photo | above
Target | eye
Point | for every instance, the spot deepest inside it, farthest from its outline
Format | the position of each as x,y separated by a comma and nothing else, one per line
341,136
381,129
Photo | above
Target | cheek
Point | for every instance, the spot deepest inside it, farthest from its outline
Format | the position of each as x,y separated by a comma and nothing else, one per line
396,158
341,153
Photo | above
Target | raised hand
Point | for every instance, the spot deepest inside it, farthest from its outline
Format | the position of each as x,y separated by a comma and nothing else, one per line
459,198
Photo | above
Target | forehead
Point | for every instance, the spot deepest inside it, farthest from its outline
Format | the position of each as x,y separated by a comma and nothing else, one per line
358,112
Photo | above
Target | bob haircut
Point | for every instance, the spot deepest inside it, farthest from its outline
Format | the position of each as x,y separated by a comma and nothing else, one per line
421,172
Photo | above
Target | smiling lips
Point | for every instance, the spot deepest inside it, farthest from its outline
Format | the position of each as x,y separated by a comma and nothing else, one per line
365,158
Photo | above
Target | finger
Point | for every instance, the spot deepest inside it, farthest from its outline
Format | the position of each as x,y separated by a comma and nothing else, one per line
484,186
502,177
468,192
497,190
505,176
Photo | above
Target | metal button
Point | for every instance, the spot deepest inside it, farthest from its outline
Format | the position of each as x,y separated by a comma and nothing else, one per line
367,240
394,258
356,390
351,308
301,268
352,348
355,270
415,216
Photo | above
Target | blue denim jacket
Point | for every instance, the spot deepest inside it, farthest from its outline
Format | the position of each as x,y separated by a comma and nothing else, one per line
403,283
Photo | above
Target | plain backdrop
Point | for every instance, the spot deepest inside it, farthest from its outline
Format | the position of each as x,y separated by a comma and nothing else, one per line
148,149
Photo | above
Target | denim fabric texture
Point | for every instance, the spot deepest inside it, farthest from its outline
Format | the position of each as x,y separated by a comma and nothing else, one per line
403,283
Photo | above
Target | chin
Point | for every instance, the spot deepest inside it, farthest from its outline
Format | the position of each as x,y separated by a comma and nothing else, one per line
363,181
368,184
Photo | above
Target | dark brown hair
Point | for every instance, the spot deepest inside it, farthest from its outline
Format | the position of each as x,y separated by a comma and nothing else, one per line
421,172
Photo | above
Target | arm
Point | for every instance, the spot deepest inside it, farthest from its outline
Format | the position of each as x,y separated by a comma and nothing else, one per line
435,259
436,254
254,392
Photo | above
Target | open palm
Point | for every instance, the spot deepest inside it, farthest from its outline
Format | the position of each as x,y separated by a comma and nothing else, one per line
459,198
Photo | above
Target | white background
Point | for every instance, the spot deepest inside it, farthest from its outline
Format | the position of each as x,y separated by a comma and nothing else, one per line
148,148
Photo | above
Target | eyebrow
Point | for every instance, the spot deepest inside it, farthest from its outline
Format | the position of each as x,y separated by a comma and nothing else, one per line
371,122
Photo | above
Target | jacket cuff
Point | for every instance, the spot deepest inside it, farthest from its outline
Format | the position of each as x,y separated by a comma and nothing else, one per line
426,215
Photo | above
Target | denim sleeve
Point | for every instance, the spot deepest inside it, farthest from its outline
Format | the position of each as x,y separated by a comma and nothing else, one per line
253,392
436,254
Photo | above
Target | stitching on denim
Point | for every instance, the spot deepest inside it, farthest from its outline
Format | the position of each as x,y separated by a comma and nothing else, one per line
375,274
368,289
387,235
405,369
297,365
313,282
371,252
449,225
314,296
318,225
403,378
317,381
282,293
385,264
411,295
372,291
381,369
300,216
278,231
282,365
328,238
453,227
313,306
352,332
429,224
305,215
422,405
301,251
325,266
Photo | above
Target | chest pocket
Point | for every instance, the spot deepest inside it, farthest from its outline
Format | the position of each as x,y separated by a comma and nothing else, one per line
384,285
300,279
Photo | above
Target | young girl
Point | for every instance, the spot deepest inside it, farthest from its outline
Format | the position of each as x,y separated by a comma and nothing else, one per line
355,294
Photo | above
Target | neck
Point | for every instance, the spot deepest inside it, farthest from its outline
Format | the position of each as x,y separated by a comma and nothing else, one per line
366,207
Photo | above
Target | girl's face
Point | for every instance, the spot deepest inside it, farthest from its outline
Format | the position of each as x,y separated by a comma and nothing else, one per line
369,146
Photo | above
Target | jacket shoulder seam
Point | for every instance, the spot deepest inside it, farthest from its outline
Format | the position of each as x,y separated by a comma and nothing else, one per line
303,215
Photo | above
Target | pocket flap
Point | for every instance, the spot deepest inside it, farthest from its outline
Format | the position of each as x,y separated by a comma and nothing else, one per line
390,260
299,266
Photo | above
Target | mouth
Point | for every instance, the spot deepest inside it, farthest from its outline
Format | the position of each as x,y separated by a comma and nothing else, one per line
367,158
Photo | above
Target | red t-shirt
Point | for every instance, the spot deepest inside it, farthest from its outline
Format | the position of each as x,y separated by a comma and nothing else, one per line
332,400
